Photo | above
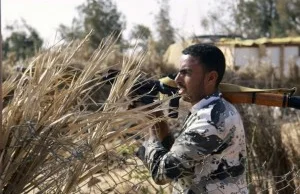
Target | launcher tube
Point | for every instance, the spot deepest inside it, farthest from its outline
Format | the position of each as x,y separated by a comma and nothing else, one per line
267,99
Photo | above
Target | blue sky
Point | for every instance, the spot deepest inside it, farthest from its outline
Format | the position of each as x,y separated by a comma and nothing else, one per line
46,15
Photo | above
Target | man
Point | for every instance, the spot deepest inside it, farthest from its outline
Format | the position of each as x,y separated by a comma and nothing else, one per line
209,155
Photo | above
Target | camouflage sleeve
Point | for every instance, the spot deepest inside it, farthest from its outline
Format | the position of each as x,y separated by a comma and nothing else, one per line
168,141
189,149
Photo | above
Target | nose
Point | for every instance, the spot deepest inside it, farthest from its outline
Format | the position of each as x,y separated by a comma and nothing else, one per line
177,78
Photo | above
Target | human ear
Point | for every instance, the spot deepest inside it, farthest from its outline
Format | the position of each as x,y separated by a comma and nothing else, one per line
212,78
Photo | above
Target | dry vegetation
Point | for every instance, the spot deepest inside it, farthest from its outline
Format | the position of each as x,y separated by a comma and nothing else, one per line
50,141
65,129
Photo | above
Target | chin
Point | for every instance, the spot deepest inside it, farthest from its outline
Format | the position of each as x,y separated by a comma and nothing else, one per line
186,98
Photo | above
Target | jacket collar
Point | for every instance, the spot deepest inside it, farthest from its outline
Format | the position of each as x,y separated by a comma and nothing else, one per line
205,101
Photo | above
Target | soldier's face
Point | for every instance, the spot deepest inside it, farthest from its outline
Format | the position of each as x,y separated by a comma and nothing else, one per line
191,79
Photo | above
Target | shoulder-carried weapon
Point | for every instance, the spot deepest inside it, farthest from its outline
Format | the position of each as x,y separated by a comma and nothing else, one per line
149,90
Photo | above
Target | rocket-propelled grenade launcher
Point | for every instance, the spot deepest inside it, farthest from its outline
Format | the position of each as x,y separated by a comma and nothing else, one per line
280,97
148,90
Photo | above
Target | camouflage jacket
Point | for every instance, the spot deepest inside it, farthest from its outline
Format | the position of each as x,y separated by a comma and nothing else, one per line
209,155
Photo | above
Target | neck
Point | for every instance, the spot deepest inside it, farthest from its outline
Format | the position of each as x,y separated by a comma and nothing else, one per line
205,96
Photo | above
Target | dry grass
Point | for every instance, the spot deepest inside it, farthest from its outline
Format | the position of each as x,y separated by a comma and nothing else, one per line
50,141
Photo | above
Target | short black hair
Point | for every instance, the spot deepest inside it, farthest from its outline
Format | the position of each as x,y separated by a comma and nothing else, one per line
210,56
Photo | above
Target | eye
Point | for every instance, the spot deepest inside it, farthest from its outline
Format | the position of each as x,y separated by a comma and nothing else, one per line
185,72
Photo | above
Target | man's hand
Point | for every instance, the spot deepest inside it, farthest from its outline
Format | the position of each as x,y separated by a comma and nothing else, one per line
161,129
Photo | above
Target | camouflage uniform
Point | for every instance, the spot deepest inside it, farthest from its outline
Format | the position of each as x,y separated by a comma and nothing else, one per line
209,156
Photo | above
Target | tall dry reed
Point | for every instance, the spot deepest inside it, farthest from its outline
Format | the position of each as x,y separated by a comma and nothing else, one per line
50,141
